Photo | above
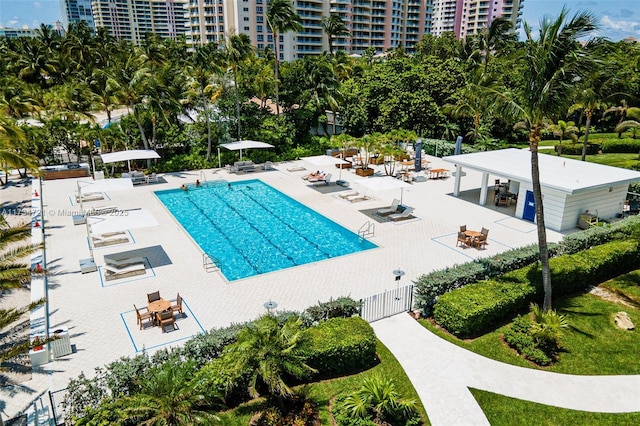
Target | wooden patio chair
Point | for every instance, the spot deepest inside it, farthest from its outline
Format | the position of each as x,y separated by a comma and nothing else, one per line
178,306
152,297
143,316
481,241
165,318
463,239
463,228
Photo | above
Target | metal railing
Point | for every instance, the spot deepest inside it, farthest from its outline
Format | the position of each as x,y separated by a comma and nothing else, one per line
210,264
368,229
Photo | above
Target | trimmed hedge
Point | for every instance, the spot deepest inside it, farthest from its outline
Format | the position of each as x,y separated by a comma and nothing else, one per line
626,145
576,148
470,310
619,230
341,346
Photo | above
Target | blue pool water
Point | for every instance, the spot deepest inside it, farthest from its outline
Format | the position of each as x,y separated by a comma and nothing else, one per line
251,228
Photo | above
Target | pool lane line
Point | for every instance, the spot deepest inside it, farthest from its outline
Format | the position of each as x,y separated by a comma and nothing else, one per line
237,249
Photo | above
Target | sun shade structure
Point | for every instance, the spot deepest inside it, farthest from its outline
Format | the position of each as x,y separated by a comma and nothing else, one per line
569,187
128,155
247,144
325,160
121,220
386,183
105,185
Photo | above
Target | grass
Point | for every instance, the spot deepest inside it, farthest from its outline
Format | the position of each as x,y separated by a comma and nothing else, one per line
622,160
592,345
627,286
504,411
322,392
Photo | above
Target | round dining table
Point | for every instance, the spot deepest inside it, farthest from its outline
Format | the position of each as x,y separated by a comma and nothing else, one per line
159,305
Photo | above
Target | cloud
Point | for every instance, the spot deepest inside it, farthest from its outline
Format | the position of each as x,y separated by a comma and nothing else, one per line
12,23
608,24
37,5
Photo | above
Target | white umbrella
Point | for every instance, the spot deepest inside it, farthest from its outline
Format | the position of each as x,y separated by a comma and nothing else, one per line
385,184
121,220
325,160
240,145
128,155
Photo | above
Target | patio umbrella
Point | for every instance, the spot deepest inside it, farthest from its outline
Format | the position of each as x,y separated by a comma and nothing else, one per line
325,160
128,155
240,145
104,185
386,183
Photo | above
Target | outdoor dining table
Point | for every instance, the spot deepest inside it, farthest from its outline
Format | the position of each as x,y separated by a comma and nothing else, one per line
438,173
472,234
158,305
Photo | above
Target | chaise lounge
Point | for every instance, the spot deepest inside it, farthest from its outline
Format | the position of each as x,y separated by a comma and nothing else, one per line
403,215
326,180
103,240
121,263
391,209
113,273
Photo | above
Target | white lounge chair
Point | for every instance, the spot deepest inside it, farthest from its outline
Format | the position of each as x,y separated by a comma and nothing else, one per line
113,273
324,181
356,198
108,240
391,209
98,210
89,196
349,194
405,214
120,263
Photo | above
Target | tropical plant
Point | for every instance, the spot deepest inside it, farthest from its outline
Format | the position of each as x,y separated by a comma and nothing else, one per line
334,26
564,129
12,155
548,327
237,50
551,65
588,101
281,18
272,354
378,400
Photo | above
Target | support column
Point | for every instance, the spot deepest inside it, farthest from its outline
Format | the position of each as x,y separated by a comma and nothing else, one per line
456,184
483,189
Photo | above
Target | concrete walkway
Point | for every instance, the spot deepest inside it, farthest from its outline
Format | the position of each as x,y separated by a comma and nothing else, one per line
442,372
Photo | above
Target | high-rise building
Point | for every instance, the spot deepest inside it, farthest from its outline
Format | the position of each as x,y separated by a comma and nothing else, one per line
131,19
465,17
74,11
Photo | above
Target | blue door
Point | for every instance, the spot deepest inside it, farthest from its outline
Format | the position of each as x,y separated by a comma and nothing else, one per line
529,212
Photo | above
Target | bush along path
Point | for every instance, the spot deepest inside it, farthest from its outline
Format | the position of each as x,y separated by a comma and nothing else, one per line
442,374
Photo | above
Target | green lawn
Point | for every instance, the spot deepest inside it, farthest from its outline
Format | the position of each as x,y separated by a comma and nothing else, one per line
622,160
627,286
504,411
323,392
592,345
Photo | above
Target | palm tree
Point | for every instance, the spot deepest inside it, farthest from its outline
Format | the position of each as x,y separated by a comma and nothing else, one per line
563,129
378,398
237,50
12,154
271,352
551,66
588,101
281,18
334,26
495,39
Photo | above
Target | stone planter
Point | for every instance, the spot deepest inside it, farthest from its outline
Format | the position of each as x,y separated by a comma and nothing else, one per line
365,172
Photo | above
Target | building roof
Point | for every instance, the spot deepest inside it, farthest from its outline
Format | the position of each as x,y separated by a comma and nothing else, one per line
558,173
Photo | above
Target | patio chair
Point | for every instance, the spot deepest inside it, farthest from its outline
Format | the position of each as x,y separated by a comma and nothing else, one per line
143,316
356,198
165,318
121,263
463,239
391,209
89,196
326,180
463,228
178,306
114,273
348,194
481,241
403,215
98,210
152,297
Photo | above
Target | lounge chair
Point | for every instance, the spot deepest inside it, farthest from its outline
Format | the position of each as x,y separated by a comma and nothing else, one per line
120,263
325,180
403,215
114,273
314,177
356,198
348,194
89,196
98,210
391,209
108,240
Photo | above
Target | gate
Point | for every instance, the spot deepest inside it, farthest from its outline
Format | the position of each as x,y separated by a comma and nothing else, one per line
55,399
383,305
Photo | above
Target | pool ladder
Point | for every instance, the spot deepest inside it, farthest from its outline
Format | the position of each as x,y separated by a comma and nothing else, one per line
203,176
210,264
368,229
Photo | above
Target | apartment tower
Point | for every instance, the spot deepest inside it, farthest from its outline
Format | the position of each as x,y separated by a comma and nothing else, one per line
464,17
74,11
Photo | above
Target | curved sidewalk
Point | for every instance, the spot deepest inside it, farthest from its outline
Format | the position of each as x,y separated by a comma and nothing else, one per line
442,372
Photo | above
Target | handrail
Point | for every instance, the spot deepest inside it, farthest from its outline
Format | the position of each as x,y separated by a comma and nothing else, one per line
368,229
210,263
203,176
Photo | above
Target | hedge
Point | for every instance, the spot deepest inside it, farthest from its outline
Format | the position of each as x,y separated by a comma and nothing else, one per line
341,346
627,145
470,310
576,148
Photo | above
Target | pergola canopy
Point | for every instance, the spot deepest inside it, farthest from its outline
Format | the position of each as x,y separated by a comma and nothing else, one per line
131,154
247,144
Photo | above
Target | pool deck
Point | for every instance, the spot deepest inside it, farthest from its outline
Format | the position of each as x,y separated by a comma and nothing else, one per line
99,314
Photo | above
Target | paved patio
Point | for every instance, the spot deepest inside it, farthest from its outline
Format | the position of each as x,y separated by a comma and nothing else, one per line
100,315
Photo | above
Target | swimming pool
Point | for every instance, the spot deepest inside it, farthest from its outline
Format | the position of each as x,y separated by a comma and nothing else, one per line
252,228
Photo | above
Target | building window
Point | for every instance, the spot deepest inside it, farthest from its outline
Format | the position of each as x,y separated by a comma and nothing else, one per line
246,19
246,28
270,38
260,19
260,29
245,9
260,38
258,9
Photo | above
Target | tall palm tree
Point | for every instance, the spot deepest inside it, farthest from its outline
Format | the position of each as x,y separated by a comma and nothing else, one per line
588,101
12,152
271,352
281,18
494,39
334,26
237,50
551,66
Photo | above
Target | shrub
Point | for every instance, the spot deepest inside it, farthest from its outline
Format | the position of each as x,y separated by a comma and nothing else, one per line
518,337
342,307
207,346
341,346
443,147
622,229
626,145
472,309
576,148
430,286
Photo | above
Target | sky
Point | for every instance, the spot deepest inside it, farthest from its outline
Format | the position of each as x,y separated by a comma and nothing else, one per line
618,18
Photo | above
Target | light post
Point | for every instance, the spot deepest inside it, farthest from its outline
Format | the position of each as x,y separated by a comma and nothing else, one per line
270,305
398,273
